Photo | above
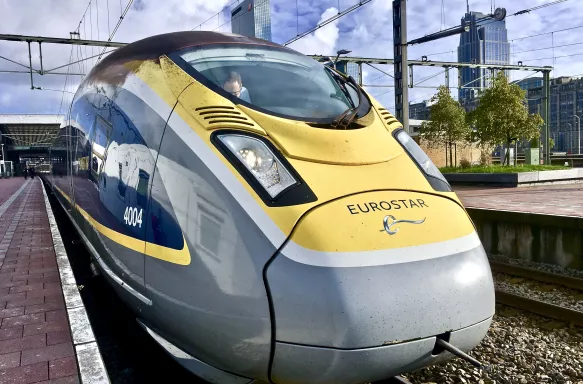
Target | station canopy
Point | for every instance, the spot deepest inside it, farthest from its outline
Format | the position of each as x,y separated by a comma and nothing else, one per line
25,132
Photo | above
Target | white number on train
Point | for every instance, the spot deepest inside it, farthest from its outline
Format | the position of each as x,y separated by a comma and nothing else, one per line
133,216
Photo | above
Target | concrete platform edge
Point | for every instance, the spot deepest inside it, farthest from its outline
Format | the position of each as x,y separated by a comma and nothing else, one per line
519,179
535,237
91,366
559,221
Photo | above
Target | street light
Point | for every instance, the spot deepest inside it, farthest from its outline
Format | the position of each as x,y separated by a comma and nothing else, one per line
579,135
570,137
338,53
2,169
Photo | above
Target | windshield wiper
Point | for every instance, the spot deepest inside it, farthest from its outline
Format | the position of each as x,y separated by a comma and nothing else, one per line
347,117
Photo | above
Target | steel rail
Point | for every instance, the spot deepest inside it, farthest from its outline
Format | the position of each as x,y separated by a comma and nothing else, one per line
538,275
540,307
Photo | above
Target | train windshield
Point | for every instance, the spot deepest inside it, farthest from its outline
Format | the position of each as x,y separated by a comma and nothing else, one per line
277,80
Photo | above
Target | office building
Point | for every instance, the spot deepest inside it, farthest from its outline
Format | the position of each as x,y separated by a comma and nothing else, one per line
419,111
486,42
252,18
566,103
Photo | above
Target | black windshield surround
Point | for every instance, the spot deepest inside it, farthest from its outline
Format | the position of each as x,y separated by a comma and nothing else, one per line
342,82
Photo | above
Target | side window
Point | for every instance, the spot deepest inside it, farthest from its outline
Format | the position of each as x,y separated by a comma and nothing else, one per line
142,188
121,185
99,142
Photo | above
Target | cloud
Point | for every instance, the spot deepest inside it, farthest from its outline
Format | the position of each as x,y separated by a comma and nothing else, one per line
56,18
323,40
366,31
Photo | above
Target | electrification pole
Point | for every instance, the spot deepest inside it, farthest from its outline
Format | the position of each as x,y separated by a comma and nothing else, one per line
400,62
545,115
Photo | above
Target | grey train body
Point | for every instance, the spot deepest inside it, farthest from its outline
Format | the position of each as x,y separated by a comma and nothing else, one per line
244,309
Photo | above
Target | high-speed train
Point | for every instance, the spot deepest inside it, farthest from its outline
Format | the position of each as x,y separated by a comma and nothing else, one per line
264,217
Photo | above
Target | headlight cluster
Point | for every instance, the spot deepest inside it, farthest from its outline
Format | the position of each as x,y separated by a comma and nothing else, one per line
434,176
260,161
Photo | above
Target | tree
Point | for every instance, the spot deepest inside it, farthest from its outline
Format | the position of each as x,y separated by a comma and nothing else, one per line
502,115
447,121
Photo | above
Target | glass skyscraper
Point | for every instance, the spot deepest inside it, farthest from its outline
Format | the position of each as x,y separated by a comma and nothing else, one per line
252,18
485,43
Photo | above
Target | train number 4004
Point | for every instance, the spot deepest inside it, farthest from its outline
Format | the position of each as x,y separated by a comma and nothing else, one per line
133,216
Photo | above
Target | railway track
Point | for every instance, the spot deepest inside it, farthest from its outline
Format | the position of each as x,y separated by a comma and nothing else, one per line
537,306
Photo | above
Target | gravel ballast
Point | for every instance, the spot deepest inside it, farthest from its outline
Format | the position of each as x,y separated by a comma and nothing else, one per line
521,348
536,290
540,266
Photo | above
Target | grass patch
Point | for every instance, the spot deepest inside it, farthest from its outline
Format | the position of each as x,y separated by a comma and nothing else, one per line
503,169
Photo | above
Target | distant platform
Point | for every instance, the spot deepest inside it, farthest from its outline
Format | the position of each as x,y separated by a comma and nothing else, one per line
518,179
556,200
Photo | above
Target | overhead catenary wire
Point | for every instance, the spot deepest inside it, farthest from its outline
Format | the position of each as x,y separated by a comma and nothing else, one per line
326,22
65,85
108,26
528,10
547,33
554,57
91,25
199,26
97,23
429,77
240,14
522,37
121,19
542,49
83,16
538,7
15,62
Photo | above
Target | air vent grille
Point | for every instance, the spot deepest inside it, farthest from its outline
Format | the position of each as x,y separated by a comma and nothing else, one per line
386,115
223,116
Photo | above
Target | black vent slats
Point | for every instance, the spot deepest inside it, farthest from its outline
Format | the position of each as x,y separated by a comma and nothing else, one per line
223,116
231,122
215,116
386,115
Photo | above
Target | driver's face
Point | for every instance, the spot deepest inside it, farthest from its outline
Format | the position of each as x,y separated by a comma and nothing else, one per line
233,87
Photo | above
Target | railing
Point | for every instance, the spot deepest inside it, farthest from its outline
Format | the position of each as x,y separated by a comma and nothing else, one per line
571,160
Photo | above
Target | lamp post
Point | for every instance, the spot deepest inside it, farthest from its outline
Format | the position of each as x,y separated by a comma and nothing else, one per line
3,168
570,137
578,136
338,53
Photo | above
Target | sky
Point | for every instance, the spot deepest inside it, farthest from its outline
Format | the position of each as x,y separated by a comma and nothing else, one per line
366,31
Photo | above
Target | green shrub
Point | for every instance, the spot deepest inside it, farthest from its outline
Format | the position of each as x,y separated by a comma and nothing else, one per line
465,163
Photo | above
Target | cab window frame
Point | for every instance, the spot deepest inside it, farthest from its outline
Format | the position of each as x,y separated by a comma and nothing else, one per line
176,57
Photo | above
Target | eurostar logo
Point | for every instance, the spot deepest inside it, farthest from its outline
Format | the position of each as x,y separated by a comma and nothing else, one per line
390,221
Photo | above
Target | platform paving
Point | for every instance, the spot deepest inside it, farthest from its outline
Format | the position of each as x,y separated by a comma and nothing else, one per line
35,339
45,334
8,187
556,200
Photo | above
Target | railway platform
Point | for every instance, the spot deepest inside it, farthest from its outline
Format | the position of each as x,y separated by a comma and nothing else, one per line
45,334
553,200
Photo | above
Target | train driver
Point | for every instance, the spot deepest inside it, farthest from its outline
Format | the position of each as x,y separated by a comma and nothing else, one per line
234,85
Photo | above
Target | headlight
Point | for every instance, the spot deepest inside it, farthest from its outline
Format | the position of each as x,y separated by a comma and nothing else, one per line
436,179
260,161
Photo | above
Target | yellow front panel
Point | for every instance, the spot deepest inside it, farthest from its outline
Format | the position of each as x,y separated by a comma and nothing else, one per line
355,223
320,156
298,140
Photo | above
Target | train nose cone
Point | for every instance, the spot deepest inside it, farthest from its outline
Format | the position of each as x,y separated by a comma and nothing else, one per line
361,294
